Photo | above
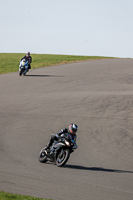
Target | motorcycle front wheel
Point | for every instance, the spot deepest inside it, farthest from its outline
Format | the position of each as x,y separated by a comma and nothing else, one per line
42,156
62,157
20,72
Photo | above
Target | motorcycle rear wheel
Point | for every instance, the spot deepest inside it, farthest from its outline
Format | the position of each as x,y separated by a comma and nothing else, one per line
42,156
62,157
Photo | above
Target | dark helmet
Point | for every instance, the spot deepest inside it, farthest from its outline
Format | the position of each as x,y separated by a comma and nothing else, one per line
73,128
27,53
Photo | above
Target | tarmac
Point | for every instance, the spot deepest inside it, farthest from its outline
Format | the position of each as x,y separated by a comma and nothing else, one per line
97,95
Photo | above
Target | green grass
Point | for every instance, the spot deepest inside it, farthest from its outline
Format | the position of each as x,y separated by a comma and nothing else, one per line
9,62
9,196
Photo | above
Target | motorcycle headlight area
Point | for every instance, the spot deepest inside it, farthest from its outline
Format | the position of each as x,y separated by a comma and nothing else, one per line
67,143
23,63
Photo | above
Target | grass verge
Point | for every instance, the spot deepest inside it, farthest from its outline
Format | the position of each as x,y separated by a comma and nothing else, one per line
9,196
9,62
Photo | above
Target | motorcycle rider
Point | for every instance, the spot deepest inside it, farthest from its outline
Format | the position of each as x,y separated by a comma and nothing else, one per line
71,132
29,58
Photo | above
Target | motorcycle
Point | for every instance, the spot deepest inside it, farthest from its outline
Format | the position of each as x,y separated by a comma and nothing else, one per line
23,67
59,152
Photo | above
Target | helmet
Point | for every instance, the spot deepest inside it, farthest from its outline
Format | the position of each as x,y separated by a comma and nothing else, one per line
28,53
73,128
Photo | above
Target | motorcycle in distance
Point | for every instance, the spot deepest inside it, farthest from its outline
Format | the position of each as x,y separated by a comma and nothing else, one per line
23,67
59,152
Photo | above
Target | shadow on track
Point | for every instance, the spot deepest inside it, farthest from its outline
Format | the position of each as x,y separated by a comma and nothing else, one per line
99,169
43,76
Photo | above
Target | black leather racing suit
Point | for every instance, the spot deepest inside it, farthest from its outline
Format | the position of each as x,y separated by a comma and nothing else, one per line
62,134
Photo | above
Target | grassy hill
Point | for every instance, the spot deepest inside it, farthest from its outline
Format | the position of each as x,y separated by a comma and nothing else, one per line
9,62
9,196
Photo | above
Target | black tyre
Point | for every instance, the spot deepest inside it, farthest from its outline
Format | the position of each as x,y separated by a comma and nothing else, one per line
20,72
42,156
24,73
62,157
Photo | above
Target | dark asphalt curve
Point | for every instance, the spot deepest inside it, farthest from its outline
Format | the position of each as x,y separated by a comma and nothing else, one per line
96,95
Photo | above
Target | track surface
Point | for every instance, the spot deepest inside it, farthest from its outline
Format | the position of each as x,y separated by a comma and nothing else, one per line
98,96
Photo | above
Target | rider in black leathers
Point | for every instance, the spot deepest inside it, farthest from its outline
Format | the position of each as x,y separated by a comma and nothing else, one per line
71,131
29,58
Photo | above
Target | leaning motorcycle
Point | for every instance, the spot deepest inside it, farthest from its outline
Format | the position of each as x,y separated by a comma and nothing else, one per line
59,152
23,67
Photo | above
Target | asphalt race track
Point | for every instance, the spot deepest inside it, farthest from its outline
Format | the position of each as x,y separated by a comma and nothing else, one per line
98,97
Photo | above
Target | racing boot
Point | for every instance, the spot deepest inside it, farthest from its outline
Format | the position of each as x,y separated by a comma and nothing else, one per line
47,148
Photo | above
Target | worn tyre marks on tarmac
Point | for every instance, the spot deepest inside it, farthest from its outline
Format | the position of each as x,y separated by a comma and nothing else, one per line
98,96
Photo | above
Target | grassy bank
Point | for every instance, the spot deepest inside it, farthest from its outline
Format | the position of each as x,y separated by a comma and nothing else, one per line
9,196
9,62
